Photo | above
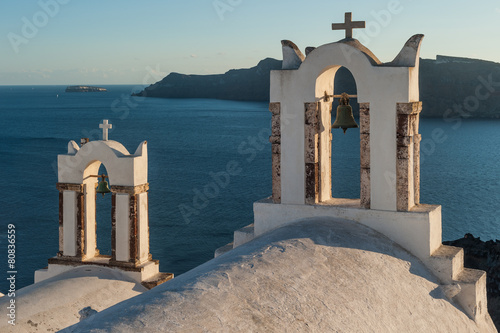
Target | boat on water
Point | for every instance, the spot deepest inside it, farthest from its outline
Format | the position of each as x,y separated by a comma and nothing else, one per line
84,89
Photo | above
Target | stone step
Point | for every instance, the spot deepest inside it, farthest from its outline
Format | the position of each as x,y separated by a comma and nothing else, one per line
467,287
447,262
149,269
157,280
244,235
472,296
223,249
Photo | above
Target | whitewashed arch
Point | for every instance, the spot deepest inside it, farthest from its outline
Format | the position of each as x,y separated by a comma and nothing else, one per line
123,168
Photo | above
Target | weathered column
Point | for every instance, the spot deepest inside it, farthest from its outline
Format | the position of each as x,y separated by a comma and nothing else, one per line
143,227
312,169
90,225
408,155
133,228
113,227
80,225
416,164
61,224
130,224
364,130
275,140
71,220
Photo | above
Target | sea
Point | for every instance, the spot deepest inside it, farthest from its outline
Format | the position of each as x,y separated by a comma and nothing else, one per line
191,141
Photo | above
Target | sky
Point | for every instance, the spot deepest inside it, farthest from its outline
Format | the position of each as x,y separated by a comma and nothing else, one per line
67,42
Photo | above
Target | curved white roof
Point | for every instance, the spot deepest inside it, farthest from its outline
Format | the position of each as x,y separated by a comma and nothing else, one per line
319,275
55,303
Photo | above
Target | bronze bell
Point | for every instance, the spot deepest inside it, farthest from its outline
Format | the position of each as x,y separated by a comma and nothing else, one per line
344,117
103,186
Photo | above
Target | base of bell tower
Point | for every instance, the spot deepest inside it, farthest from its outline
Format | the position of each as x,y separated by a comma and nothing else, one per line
147,273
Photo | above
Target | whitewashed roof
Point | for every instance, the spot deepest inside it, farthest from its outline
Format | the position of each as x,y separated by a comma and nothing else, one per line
319,275
55,303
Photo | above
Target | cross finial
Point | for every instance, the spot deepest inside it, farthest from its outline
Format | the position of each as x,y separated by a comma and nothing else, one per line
105,126
348,25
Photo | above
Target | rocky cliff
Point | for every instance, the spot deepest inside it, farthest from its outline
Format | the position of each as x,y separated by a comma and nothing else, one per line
453,87
250,84
484,256
449,86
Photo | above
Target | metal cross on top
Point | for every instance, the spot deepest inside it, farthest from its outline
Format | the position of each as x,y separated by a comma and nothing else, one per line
105,126
348,25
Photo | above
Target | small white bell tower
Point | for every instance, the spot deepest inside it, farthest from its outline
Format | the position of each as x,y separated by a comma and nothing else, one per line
77,182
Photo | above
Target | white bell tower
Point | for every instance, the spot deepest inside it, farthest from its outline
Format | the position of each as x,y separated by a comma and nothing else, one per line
77,182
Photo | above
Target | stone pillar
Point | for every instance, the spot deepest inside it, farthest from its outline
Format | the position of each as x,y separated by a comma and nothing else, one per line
408,155
143,227
364,130
275,140
80,225
61,224
311,144
113,226
133,228
325,151
71,220
130,224
90,225
416,165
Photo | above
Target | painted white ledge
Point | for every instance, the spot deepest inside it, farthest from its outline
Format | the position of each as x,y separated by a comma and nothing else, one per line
418,231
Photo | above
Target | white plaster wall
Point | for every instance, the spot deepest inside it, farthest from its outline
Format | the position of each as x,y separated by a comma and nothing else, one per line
122,227
90,223
143,226
243,235
414,80
51,271
325,82
435,228
141,164
381,86
393,89
292,118
418,231
383,155
123,168
69,223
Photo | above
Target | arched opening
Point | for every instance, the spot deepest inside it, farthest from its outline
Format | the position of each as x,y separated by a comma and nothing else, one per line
343,167
103,219
97,228
345,155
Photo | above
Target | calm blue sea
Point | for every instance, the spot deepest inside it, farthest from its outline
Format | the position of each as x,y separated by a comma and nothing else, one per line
188,139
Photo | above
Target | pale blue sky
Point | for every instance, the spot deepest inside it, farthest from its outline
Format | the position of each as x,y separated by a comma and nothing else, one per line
134,42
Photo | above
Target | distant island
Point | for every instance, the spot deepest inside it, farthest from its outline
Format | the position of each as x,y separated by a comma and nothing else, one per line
449,86
84,89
